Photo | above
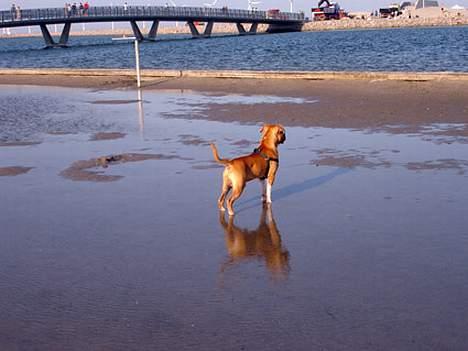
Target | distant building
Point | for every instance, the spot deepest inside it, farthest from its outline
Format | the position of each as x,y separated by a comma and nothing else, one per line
426,3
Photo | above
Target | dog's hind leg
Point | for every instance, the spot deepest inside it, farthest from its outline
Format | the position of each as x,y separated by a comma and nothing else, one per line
237,190
224,192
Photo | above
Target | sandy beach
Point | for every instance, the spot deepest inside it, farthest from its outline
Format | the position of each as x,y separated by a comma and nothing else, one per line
112,240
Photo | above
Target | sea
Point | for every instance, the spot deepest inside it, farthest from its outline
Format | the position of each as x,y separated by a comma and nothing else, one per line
441,49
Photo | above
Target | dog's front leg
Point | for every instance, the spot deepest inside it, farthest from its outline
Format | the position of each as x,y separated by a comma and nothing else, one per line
263,184
270,180
268,192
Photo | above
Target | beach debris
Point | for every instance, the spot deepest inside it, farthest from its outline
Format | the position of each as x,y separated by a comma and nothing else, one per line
105,160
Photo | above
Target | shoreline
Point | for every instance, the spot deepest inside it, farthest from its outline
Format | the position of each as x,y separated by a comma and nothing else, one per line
9,75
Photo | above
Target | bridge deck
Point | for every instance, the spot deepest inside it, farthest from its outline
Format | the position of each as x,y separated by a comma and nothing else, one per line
30,17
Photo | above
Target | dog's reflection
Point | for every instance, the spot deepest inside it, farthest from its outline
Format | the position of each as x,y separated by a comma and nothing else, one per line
263,243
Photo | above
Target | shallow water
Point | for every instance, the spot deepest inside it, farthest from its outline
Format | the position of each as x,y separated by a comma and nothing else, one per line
363,250
407,49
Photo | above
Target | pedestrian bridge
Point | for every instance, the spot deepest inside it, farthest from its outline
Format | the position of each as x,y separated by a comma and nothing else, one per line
276,21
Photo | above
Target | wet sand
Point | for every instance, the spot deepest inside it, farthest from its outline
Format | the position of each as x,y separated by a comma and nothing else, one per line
91,170
344,103
364,247
13,171
107,136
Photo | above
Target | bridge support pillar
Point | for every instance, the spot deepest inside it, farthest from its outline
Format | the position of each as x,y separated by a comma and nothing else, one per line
206,32
139,35
153,31
253,28
65,34
242,31
136,31
208,29
49,40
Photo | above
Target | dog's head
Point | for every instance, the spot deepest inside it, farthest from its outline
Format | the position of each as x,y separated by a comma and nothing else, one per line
275,132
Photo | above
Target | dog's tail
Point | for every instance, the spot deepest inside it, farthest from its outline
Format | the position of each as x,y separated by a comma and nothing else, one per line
216,156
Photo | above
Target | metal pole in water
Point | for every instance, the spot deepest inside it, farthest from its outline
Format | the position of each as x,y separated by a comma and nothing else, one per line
137,56
137,62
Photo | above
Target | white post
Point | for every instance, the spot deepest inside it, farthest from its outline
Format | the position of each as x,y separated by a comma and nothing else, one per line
137,62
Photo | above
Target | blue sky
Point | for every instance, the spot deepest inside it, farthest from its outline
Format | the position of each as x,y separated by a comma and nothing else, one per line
350,5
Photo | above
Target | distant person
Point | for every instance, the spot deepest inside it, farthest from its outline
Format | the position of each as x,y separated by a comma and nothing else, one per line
125,6
73,9
86,8
13,12
69,9
18,12
81,8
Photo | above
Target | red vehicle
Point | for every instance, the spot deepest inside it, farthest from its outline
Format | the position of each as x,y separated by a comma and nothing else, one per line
327,10
273,13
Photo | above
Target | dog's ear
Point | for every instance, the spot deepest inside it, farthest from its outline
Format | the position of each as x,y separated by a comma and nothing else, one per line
264,128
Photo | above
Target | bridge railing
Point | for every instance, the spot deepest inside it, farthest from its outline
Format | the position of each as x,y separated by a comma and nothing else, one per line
144,11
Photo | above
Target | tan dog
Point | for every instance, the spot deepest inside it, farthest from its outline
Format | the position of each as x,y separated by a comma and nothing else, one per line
263,164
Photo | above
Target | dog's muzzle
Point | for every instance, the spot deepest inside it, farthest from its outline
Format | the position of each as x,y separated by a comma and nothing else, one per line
282,138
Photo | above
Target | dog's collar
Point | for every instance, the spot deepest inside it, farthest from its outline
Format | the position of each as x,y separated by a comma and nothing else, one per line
266,157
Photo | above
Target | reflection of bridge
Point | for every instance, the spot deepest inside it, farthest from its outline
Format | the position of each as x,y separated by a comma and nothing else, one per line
277,22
